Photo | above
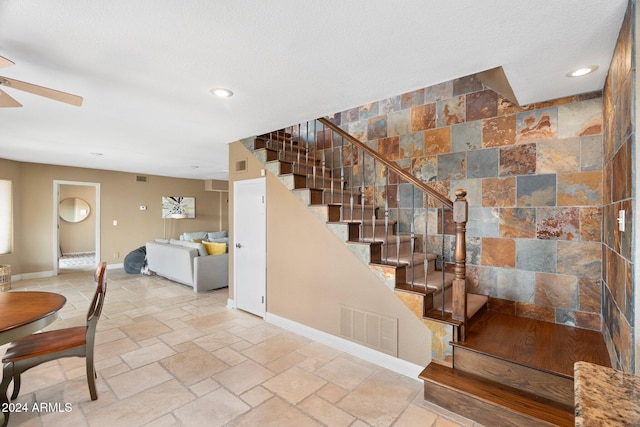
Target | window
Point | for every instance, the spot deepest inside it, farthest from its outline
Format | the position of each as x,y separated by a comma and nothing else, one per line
5,216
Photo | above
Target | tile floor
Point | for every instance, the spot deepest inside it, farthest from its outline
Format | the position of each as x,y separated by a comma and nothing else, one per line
168,357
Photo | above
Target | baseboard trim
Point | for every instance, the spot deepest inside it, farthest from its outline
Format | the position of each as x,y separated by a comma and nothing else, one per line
43,274
38,275
394,364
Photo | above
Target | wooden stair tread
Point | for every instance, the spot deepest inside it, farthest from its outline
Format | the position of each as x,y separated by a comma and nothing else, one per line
497,395
530,342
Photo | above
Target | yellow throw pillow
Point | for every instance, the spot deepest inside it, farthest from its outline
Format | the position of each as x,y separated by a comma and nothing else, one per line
215,248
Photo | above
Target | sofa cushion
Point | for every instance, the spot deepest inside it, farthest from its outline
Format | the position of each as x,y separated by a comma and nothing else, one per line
215,248
196,245
195,235
216,235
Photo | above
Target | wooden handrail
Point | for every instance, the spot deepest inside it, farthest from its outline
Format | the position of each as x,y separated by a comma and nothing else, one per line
405,175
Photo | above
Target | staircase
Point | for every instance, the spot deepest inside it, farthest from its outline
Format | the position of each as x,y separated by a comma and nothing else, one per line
351,188
493,368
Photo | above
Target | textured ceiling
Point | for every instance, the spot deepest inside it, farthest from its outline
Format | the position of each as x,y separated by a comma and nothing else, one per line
145,68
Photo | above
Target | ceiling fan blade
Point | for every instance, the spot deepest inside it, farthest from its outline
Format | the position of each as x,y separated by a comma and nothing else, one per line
56,95
7,101
4,62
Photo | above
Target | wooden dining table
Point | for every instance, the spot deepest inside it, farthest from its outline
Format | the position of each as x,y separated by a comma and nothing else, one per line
23,313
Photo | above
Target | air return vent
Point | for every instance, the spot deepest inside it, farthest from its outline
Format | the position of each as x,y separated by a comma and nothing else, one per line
140,178
370,329
241,166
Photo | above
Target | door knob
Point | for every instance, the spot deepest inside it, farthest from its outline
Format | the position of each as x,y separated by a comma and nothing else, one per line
238,245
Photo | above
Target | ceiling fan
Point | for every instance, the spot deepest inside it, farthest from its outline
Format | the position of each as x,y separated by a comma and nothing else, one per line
8,101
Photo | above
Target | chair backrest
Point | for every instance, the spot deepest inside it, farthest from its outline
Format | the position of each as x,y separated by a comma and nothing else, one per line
95,309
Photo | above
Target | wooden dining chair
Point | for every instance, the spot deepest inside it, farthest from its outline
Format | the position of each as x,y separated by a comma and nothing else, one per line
41,347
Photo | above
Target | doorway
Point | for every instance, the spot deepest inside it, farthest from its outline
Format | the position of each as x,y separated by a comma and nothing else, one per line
76,226
250,251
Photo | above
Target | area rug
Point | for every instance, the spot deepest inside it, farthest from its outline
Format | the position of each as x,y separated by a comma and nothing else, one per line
78,260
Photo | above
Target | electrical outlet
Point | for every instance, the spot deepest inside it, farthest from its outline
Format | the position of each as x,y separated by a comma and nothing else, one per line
621,218
116,254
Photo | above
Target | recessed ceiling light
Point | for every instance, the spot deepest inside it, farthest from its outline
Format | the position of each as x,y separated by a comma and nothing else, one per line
582,71
221,92
96,154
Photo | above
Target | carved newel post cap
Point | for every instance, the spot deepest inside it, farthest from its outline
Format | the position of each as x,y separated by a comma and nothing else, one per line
460,193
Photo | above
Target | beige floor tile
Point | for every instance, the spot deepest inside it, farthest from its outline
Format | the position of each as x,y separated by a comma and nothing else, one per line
326,413
243,377
113,370
108,336
332,392
194,365
415,415
205,386
320,352
379,400
210,320
176,324
142,407
216,340
229,356
360,423
214,409
256,396
240,345
145,327
343,373
309,364
148,354
286,362
114,348
40,377
180,336
275,412
167,420
137,380
294,385
259,333
273,348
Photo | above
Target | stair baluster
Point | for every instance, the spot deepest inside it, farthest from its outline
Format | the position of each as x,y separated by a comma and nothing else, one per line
386,216
305,149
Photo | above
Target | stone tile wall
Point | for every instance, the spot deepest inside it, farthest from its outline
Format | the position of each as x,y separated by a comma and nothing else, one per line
619,94
534,180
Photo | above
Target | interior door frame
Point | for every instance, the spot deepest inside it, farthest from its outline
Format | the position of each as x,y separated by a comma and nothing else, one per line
56,218
236,184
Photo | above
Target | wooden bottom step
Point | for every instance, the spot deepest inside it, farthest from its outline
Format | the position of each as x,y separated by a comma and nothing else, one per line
488,402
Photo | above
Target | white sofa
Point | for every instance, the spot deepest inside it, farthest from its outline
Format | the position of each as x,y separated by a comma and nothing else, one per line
186,265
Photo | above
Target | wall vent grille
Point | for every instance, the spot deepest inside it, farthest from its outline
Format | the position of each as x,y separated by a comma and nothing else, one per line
140,178
241,166
370,329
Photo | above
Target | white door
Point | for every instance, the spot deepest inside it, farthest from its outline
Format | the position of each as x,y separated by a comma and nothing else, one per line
250,245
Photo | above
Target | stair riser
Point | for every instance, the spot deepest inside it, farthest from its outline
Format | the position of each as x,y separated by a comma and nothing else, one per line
545,384
476,409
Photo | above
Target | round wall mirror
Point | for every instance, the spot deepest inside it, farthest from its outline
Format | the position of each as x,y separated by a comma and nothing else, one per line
74,209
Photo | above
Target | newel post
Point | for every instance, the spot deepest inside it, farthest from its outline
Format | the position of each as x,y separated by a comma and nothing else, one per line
460,217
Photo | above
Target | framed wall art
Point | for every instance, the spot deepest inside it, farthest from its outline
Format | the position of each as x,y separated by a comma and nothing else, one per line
178,207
